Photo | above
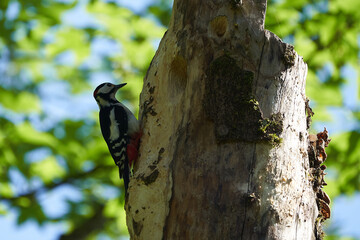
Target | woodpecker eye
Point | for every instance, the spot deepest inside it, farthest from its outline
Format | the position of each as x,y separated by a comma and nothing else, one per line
109,84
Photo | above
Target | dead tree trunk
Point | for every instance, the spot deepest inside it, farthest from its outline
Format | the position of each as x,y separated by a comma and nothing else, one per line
224,151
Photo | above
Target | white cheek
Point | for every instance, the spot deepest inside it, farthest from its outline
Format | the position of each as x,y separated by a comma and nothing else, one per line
105,89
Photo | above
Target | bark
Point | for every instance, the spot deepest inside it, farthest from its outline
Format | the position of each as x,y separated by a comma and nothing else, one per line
224,150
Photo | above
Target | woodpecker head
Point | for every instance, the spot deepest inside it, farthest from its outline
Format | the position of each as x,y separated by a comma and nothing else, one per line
104,94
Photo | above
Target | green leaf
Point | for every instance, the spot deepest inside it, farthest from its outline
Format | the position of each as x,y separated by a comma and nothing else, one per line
70,39
343,153
320,58
327,30
27,134
23,102
5,190
322,93
8,157
48,170
321,114
147,28
304,45
349,6
3,210
33,211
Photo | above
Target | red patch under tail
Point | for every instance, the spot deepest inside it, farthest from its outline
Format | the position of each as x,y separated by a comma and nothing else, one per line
133,147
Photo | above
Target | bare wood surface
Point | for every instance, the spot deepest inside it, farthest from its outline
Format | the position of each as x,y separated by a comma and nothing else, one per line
224,151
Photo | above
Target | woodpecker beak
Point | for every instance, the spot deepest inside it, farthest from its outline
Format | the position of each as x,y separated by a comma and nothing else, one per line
120,86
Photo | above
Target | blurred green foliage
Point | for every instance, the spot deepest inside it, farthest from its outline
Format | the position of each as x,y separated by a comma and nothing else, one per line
67,47
326,33
73,44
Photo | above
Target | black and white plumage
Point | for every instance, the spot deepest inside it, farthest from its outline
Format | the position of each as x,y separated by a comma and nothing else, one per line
118,126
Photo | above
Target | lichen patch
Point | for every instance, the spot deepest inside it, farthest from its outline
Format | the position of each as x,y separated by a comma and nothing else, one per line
219,25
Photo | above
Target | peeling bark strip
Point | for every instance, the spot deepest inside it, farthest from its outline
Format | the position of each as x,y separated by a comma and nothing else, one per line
317,157
219,90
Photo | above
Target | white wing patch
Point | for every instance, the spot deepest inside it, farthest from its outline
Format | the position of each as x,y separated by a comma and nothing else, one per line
114,130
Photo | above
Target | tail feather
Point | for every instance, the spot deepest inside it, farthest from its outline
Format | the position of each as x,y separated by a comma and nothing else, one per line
125,174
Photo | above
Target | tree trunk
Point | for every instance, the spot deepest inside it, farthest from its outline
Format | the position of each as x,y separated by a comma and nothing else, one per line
224,150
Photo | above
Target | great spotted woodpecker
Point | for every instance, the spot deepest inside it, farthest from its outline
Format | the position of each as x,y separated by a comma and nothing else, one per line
119,127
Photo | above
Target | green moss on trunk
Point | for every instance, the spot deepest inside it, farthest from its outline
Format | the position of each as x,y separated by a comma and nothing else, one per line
230,103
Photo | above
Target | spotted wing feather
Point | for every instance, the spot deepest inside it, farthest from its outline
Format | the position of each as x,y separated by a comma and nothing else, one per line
116,137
